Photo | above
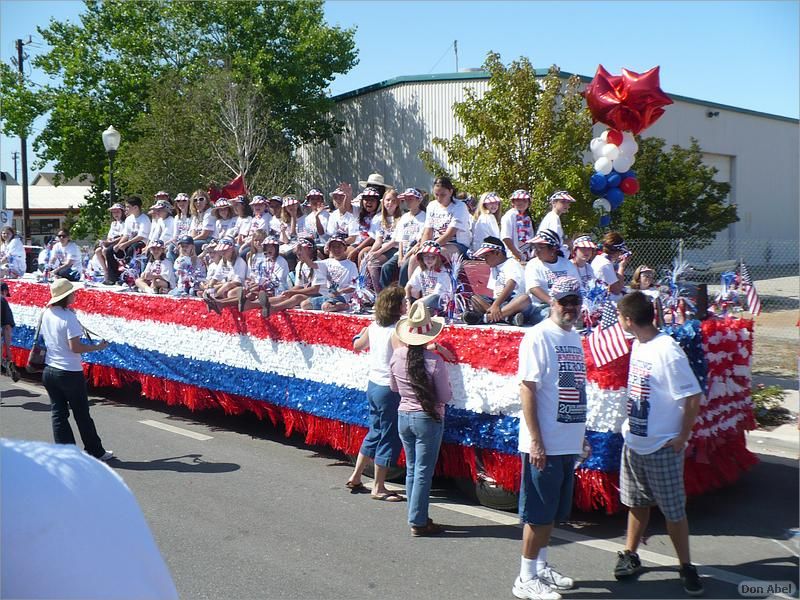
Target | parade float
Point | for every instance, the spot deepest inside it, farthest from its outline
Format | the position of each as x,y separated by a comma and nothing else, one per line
297,370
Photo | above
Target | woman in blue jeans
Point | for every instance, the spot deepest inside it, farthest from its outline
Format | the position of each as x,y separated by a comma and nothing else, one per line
420,377
381,444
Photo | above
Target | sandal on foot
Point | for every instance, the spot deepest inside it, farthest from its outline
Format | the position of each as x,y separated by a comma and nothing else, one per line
356,488
242,299
388,497
263,300
430,529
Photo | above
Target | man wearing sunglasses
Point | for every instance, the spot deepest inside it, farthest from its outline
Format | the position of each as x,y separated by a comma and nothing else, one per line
552,371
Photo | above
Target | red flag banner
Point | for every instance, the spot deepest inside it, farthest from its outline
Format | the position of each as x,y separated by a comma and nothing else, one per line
236,187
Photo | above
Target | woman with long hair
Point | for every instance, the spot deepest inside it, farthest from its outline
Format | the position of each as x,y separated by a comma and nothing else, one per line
203,221
644,280
382,230
420,377
382,442
12,254
447,221
181,224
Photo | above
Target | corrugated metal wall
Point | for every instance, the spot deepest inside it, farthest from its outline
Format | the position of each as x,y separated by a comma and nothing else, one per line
386,130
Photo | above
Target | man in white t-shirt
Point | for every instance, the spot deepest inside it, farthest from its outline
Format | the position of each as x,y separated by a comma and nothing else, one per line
552,371
506,281
134,237
663,403
540,273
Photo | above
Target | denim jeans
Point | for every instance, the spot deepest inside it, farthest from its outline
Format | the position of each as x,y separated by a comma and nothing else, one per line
382,443
421,437
67,390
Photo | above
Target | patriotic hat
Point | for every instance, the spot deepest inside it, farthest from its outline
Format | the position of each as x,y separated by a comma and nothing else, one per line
276,199
226,241
160,205
487,247
419,328
185,239
430,247
258,200
547,236
560,195
520,195
305,242
161,194
182,197
338,192
271,240
370,192
565,286
116,206
621,247
584,241
157,244
493,198
238,200
410,193
337,237
315,193
289,201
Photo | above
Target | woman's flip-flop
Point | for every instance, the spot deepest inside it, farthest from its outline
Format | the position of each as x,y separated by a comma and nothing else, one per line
356,488
388,497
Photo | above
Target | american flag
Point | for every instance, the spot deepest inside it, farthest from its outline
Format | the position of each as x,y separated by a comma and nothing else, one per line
753,301
607,342
568,386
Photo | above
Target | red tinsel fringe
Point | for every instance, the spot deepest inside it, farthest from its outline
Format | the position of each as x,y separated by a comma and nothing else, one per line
503,468
596,490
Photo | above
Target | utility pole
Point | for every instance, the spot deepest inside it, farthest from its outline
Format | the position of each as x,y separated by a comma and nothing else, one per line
455,49
15,156
23,143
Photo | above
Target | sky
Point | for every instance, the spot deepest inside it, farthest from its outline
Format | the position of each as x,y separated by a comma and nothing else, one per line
744,54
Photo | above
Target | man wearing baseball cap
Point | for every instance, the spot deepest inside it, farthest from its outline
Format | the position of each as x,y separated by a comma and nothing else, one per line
551,435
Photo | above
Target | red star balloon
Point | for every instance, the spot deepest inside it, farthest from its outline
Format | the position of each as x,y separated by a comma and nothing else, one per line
628,102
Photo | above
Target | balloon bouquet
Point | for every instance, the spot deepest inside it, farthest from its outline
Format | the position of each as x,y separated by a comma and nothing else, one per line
628,104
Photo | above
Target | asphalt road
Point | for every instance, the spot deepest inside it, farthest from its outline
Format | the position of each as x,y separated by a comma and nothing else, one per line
239,511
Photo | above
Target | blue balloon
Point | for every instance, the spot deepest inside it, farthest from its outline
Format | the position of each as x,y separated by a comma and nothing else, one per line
598,184
605,220
613,179
615,197
627,174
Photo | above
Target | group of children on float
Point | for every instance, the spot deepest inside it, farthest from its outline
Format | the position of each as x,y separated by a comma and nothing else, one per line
277,253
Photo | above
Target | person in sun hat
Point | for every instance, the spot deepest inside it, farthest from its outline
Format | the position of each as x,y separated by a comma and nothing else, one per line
431,280
181,224
516,226
63,372
316,221
486,219
420,377
370,204
583,251
225,219
161,223
335,277
552,373
260,221
506,280
560,203
376,180
407,232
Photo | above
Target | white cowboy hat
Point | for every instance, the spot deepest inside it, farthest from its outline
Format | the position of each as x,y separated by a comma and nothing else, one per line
375,179
60,289
419,328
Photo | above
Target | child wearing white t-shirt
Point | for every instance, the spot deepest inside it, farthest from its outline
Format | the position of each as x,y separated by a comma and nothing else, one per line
335,277
516,226
158,276
431,281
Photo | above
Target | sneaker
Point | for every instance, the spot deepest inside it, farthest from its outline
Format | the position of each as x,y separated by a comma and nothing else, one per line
628,564
107,455
555,579
471,317
13,371
691,580
518,320
535,589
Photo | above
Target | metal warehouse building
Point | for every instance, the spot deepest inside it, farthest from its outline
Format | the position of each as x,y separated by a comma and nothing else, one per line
387,124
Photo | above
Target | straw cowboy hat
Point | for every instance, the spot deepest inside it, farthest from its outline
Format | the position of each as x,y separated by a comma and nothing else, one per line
375,179
60,289
419,328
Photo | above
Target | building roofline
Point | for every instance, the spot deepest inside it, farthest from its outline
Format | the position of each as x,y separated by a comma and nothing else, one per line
467,75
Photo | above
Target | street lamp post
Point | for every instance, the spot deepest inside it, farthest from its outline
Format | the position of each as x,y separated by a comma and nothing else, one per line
111,138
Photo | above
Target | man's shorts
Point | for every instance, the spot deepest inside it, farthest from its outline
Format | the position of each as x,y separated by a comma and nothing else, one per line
546,496
318,301
654,479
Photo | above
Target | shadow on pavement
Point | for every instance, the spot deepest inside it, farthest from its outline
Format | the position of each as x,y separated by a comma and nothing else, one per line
18,393
195,465
503,532
34,406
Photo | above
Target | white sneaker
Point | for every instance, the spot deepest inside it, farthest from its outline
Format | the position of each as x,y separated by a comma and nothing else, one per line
535,589
107,456
555,579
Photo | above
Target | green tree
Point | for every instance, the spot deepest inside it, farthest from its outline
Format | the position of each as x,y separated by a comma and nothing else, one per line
679,197
526,131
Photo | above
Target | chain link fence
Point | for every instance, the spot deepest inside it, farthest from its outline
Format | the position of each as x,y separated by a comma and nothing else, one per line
773,266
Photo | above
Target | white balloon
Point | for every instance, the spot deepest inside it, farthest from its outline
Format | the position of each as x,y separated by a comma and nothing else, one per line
602,205
627,136
629,147
603,165
604,136
610,151
623,163
596,144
